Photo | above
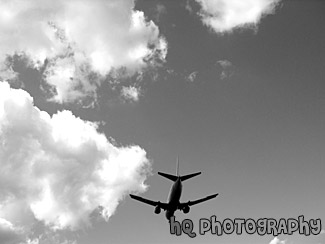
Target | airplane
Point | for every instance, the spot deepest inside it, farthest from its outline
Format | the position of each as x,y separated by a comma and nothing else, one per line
173,202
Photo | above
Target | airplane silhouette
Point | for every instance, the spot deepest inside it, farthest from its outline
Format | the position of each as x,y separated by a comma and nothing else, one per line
173,203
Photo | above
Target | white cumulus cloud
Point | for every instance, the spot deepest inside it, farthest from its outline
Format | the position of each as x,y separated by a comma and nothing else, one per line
59,169
79,38
226,15
9,234
131,93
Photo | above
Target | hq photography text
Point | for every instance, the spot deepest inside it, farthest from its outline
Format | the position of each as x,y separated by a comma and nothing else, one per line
238,226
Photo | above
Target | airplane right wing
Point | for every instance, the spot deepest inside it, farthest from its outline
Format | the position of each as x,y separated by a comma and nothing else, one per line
190,203
150,202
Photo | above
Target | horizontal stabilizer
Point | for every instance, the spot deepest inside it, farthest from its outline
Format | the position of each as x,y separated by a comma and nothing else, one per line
185,177
168,176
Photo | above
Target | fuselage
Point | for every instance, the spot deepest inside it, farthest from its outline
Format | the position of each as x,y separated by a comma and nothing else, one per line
173,202
173,198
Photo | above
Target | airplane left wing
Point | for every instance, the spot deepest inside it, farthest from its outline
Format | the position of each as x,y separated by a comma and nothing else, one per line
190,203
150,202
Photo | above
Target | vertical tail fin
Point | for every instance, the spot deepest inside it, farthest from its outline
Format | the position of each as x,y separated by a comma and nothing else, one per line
177,167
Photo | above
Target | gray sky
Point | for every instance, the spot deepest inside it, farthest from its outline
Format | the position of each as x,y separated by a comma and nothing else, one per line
250,117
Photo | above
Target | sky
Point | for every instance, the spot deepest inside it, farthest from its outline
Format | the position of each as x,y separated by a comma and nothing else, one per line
98,96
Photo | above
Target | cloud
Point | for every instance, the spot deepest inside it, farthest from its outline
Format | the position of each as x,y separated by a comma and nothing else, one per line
131,93
227,69
192,76
80,41
224,63
160,10
276,240
7,73
188,7
8,233
58,170
225,15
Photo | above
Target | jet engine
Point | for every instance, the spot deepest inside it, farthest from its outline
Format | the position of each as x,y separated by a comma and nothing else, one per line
157,210
186,209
